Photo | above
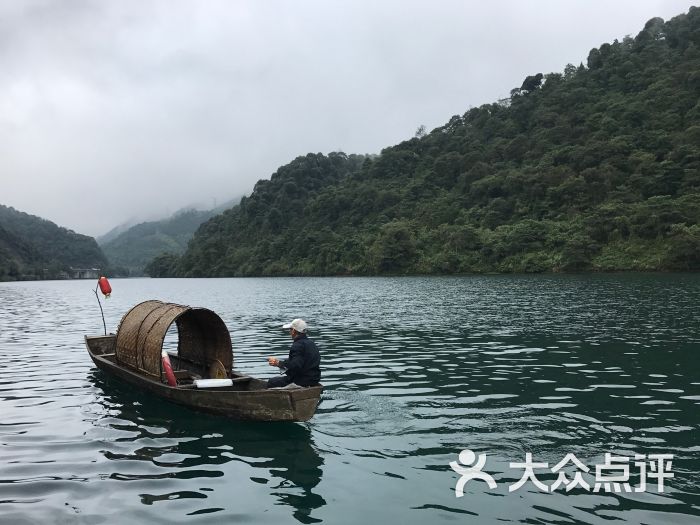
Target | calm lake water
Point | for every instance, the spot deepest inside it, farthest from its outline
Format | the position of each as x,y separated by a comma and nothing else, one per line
416,370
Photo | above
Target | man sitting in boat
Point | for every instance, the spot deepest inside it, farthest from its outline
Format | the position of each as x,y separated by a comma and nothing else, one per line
303,365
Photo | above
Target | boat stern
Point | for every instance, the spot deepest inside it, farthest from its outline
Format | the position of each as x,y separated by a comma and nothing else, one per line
101,344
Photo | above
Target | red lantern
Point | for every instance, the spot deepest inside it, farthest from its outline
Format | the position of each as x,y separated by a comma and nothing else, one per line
105,288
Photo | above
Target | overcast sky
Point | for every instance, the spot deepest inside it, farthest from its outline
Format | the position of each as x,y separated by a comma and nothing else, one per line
115,110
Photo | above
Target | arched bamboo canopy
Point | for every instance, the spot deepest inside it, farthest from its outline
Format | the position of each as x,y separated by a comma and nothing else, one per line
202,337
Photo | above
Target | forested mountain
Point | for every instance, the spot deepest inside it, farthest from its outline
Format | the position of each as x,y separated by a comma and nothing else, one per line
115,232
595,168
34,248
130,250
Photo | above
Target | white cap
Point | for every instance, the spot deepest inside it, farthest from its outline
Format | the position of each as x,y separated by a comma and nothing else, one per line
298,324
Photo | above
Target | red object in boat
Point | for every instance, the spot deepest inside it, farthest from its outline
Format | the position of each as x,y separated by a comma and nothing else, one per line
105,287
169,374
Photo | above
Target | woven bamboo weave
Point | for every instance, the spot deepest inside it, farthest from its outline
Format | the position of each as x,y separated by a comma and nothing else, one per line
202,336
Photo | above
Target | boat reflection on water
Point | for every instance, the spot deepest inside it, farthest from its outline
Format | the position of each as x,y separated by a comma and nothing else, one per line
182,445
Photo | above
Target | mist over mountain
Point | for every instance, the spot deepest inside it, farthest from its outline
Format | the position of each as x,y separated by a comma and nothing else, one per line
596,168
130,247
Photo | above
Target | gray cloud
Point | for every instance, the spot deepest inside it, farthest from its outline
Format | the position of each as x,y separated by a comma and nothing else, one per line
113,110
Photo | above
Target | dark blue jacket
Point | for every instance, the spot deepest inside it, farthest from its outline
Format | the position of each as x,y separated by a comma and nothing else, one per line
303,364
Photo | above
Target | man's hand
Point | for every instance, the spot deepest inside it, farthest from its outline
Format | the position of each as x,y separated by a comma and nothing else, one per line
273,361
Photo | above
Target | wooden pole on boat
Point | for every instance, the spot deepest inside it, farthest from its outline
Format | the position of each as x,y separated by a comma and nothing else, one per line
101,311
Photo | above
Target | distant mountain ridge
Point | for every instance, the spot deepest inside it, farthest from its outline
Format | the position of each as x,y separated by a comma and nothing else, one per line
115,232
130,248
35,248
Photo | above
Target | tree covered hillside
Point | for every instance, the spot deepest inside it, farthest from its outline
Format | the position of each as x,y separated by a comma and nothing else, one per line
131,250
34,248
595,168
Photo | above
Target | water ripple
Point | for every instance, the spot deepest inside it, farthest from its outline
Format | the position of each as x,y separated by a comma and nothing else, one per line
415,369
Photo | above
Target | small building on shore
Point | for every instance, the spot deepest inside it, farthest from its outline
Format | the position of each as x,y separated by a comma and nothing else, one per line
84,273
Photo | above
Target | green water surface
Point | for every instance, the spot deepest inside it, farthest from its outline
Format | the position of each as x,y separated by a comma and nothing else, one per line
415,369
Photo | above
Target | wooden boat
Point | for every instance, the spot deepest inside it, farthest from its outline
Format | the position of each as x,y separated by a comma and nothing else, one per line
134,355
